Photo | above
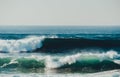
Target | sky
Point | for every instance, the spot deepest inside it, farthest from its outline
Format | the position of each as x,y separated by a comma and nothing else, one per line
59,12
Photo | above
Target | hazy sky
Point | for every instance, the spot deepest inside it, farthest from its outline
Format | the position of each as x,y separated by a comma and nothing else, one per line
59,12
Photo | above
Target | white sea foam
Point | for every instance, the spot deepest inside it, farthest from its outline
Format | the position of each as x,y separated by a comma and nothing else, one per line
113,73
26,44
52,62
112,54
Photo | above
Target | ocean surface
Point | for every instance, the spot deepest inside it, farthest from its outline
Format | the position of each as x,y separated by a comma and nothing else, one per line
81,51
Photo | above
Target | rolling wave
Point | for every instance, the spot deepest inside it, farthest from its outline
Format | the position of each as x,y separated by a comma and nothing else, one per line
80,61
54,44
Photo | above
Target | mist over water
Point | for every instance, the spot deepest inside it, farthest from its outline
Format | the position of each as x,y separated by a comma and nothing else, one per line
61,29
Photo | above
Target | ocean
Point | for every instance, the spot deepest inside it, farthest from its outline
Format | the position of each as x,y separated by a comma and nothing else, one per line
60,51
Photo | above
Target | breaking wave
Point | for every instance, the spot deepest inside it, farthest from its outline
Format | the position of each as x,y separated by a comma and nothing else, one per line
54,44
74,62
27,44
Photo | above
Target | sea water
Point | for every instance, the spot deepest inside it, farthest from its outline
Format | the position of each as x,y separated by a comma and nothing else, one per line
51,51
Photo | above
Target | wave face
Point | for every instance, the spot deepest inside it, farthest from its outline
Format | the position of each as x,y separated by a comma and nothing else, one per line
61,44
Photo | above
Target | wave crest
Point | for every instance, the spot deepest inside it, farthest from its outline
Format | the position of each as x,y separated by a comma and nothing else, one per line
27,44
